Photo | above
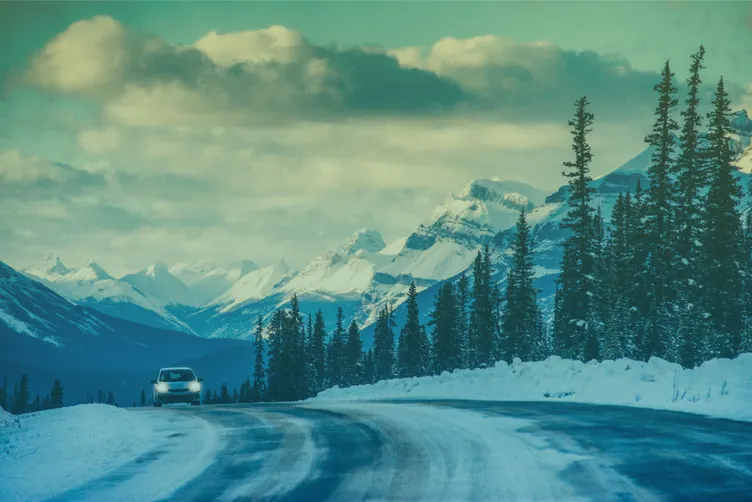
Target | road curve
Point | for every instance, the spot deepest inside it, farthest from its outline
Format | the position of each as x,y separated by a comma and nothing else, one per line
465,450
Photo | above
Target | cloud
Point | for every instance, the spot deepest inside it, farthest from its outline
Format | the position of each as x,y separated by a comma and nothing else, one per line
98,142
17,168
276,75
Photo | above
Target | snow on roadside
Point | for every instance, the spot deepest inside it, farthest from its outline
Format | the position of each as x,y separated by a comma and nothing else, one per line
51,452
719,388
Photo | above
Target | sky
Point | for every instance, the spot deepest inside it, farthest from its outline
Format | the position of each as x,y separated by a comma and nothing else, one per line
132,132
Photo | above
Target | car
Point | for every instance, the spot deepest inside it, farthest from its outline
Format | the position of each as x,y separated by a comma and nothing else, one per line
177,385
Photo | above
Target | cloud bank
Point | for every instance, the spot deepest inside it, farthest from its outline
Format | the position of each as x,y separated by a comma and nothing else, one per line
276,75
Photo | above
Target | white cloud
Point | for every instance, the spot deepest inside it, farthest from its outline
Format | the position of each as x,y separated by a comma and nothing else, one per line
17,168
99,141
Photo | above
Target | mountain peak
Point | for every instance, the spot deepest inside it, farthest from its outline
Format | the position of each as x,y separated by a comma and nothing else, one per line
155,268
53,265
98,271
367,240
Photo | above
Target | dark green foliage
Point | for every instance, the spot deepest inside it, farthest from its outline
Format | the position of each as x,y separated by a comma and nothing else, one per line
335,356
111,399
142,398
258,389
447,341
224,394
722,243
353,367
21,397
318,354
462,297
383,345
575,316
56,395
410,360
522,324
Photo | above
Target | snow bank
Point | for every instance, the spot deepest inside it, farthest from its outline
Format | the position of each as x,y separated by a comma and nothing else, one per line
719,388
51,452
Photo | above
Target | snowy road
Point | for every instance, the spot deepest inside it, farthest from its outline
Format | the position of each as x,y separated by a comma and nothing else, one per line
450,450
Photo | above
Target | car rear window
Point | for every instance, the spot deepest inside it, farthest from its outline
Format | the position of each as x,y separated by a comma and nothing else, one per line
176,376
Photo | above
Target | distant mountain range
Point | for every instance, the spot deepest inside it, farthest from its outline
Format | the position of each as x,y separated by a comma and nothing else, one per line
47,337
365,273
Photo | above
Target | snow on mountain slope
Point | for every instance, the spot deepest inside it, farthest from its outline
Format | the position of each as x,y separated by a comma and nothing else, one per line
93,286
207,282
157,282
29,308
447,242
254,285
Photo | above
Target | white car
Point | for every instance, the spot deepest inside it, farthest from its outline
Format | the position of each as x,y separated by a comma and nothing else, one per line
177,385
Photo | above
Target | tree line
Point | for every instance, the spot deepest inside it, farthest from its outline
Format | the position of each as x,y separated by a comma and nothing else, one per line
20,401
671,274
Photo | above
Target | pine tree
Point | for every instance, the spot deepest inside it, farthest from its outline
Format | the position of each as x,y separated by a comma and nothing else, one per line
722,240
424,353
142,400
46,403
383,346
318,353
410,361
447,344
224,394
521,321
483,323
353,353
56,395
576,281
462,295
21,397
111,398
258,390
691,173
275,377
336,352
369,368
235,396
295,357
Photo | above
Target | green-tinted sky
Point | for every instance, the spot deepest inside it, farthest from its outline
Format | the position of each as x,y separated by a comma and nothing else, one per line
285,141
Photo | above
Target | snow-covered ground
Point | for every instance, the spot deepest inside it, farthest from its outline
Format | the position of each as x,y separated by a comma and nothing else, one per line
719,388
54,452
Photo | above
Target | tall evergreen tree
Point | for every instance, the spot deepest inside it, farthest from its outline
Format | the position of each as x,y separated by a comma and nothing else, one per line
722,240
483,323
383,346
275,377
521,320
576,280
318,354
21,396
353,370
447,344
410,362
258,391
369,368
659,229
336,352
111,398
142,398
56,395
224,394
691,174
462,296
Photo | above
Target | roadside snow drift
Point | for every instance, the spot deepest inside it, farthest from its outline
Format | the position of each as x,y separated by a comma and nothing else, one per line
53,453
719,388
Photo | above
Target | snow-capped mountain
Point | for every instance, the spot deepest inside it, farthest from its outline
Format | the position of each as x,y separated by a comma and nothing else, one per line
365,274
157,282
208,282
447,242
92,286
